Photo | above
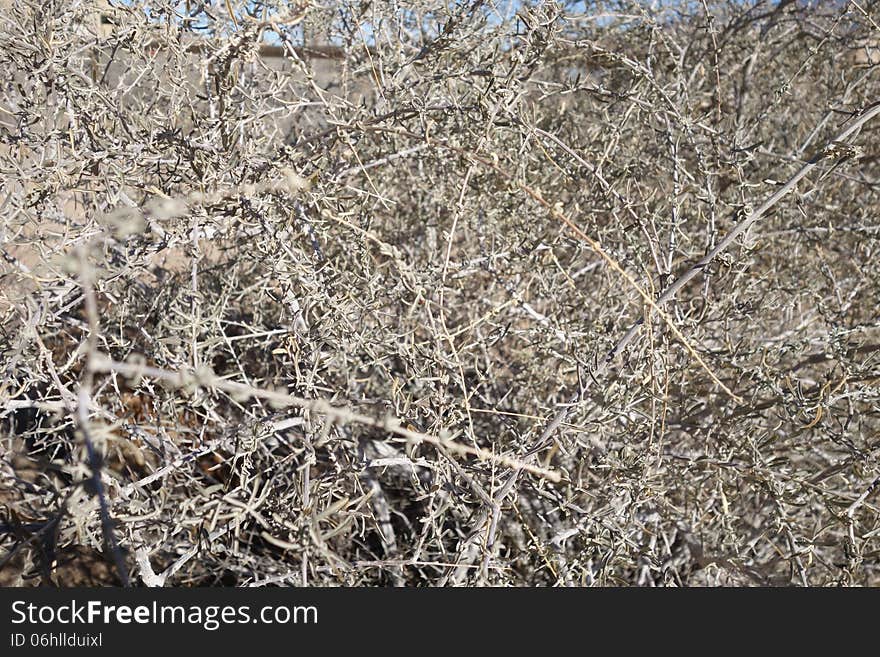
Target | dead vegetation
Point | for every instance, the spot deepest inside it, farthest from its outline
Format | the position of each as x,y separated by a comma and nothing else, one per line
434,293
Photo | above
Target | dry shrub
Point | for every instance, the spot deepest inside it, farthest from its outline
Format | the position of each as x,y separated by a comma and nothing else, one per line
339,293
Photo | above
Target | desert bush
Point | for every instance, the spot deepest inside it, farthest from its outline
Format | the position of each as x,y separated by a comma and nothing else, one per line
435,293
